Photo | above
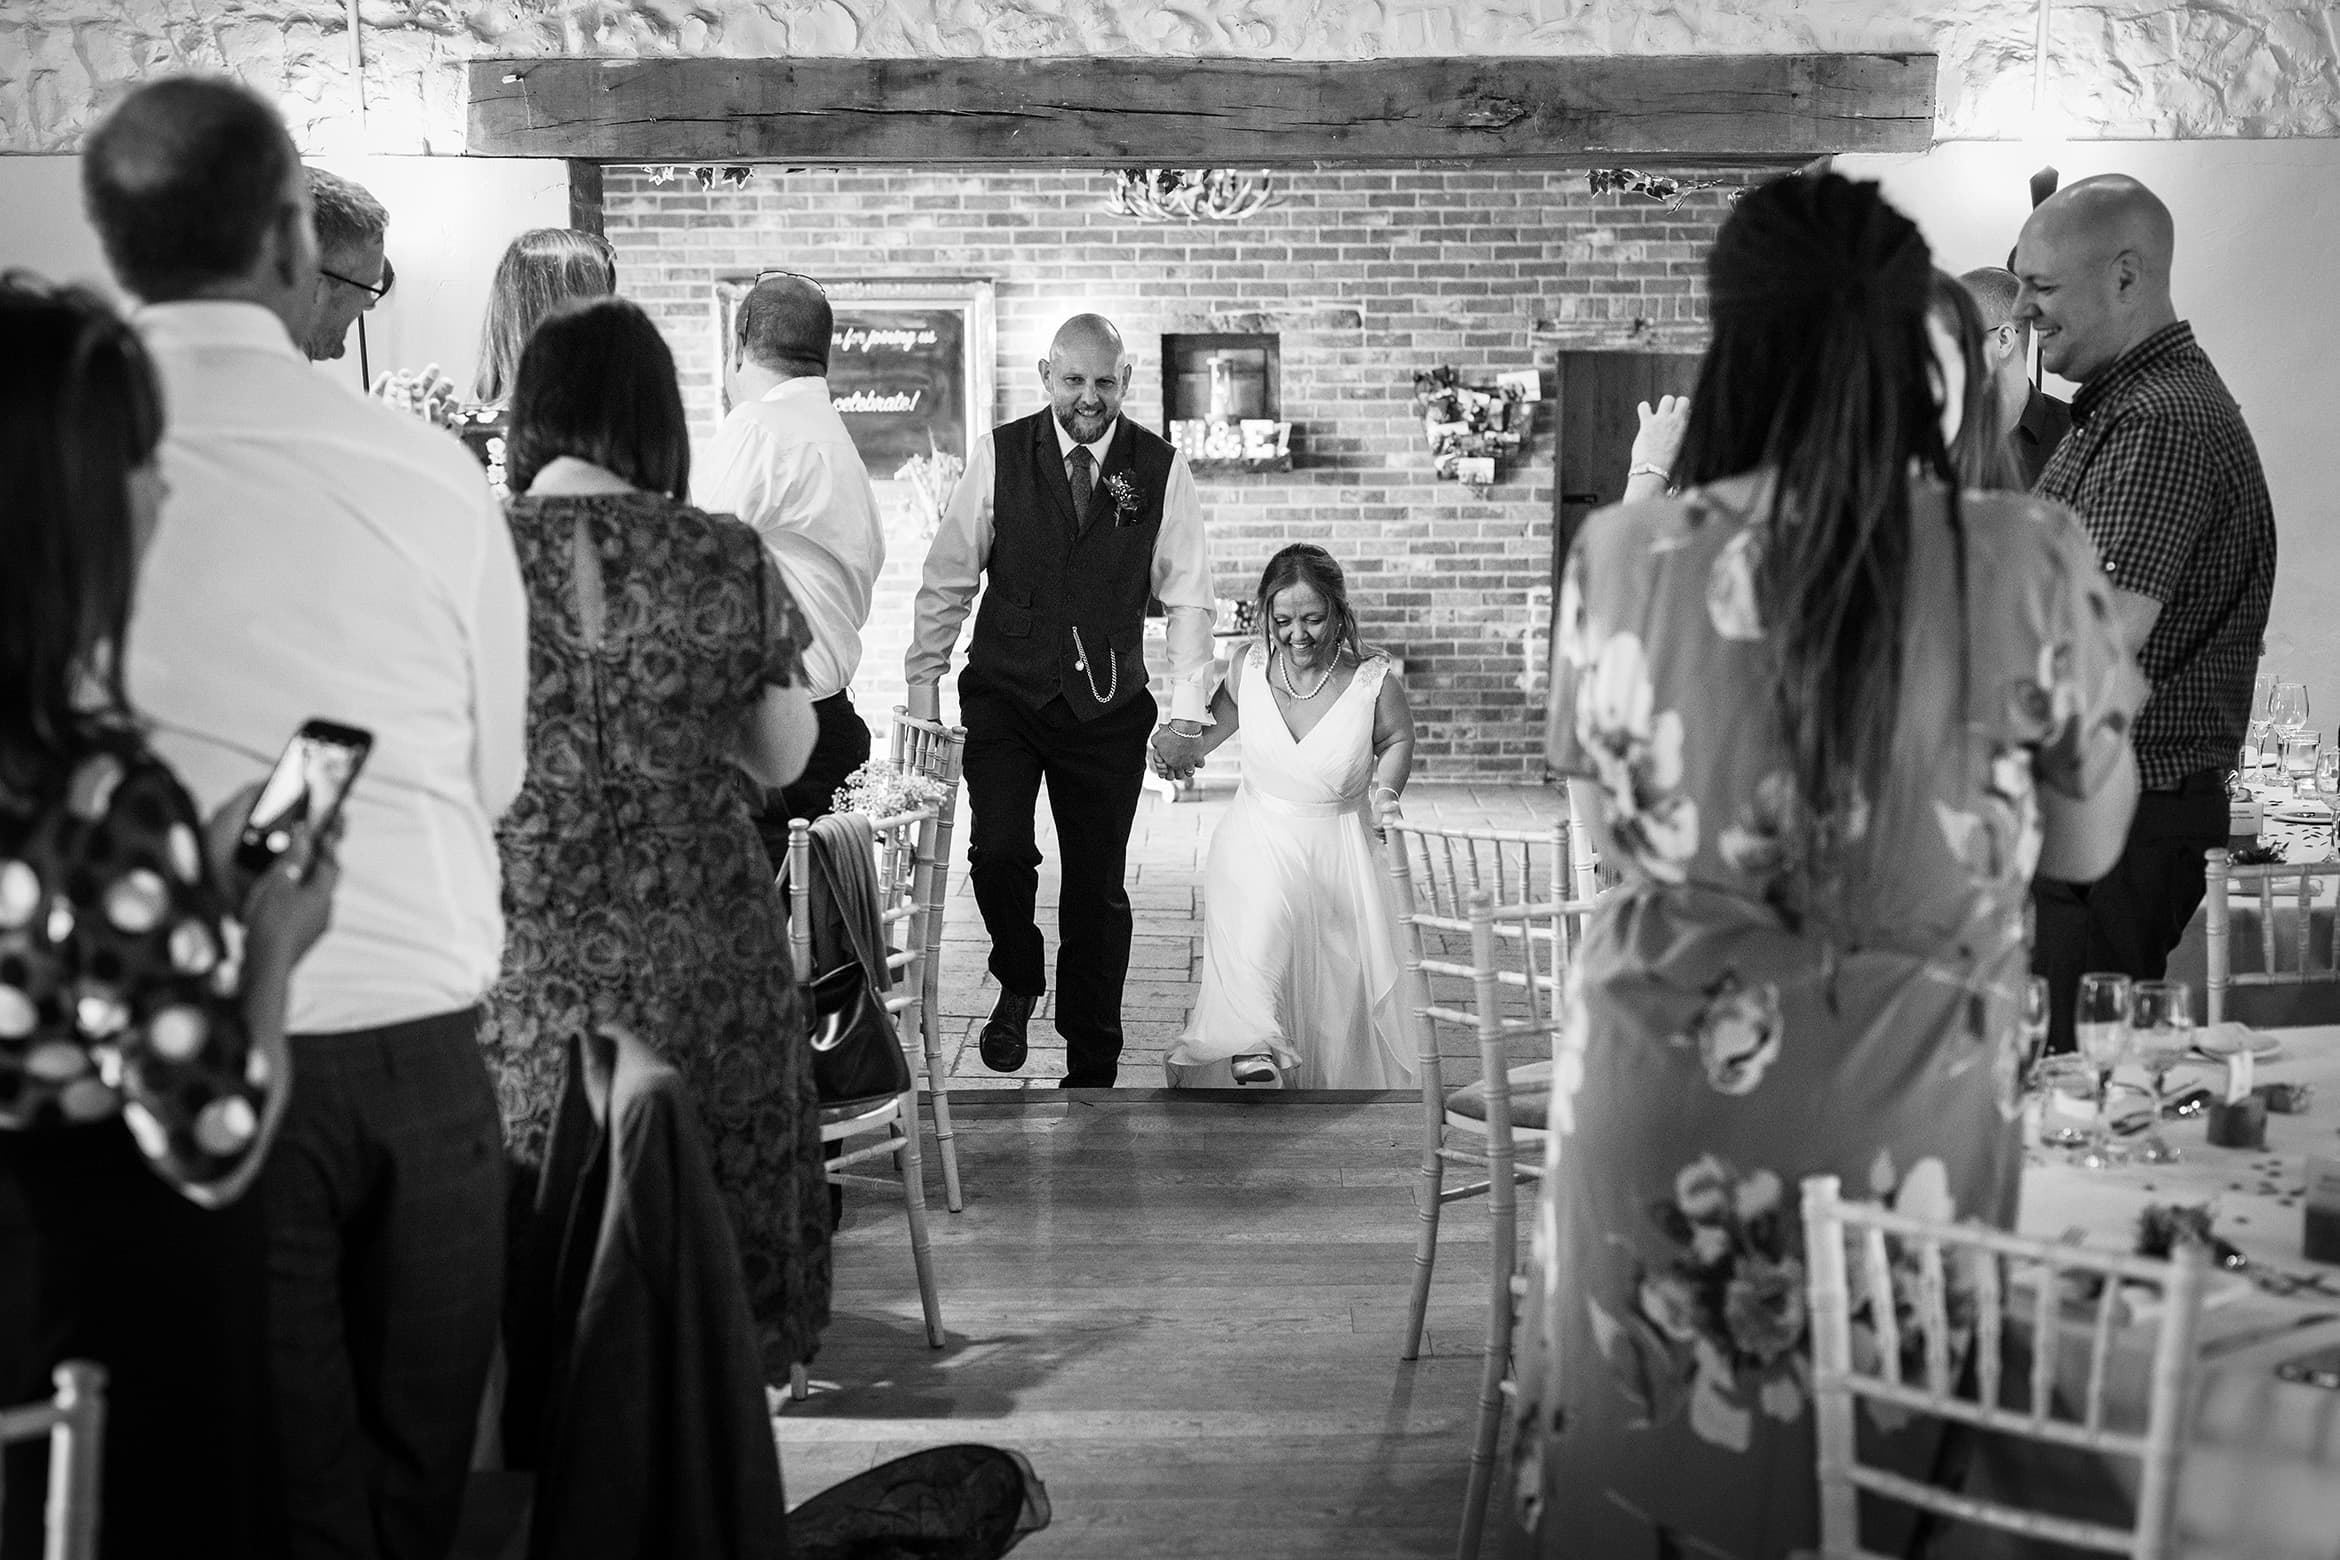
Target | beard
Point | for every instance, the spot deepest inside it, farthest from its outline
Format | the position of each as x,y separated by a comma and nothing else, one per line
1085,427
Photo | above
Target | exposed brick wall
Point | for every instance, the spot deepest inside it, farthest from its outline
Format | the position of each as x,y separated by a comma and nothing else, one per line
1366,276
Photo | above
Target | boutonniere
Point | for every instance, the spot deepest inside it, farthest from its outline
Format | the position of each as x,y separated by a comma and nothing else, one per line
1125,498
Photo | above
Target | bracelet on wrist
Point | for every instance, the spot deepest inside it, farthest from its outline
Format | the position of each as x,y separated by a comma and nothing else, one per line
1645,468
1178,727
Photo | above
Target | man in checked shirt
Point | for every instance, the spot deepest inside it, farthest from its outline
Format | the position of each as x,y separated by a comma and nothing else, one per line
2161,470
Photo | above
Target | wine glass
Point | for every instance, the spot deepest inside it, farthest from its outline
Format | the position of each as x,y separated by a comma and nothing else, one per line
2328,781
2300,749
2102,1026
2161,1022
2287,706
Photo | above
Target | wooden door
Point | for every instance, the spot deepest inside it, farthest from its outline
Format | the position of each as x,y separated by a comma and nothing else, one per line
1597,420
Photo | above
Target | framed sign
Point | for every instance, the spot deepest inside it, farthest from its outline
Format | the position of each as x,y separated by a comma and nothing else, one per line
910,363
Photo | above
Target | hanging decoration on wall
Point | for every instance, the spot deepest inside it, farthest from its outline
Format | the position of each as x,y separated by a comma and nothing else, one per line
735,176
1188,194
1656,186
1471,428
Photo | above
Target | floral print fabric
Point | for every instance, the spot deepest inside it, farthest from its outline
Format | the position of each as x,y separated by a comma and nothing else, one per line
120,972
637,894
1779,987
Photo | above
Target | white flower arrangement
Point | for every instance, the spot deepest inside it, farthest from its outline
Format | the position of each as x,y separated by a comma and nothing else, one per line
880,789
930,478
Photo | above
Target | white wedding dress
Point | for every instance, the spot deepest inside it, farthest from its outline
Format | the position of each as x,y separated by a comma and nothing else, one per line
1297,958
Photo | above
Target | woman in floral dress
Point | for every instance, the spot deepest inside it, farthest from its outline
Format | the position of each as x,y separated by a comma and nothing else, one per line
664,683
1828,714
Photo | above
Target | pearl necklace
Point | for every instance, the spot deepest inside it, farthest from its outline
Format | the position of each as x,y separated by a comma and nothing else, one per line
1284,660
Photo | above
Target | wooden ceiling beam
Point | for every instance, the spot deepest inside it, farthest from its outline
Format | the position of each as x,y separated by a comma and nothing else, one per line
1554,111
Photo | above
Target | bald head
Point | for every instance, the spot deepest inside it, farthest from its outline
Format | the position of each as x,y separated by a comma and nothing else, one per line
785,325
1086,374
1086,332
2094,263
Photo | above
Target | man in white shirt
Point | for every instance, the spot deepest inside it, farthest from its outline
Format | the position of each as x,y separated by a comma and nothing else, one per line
1078,517
322,555
784,463
353,271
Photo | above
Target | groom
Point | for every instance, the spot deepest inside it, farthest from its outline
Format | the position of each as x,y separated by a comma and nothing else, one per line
1077,516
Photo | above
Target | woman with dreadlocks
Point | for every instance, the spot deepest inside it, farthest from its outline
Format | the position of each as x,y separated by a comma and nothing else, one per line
1826,714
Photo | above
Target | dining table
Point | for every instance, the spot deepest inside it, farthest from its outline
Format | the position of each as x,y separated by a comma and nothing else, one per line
2261,1475
2298,829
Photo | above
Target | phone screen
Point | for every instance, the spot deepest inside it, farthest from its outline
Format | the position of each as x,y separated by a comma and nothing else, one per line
304,790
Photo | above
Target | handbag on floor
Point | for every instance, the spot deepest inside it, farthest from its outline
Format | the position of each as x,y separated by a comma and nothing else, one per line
857,1056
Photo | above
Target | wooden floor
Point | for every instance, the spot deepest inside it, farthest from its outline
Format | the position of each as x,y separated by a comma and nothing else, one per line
1186,1311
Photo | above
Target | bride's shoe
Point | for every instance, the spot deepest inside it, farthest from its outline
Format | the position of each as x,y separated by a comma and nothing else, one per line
1254,1069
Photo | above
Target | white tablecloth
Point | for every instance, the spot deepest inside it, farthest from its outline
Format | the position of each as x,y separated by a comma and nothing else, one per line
2262,1476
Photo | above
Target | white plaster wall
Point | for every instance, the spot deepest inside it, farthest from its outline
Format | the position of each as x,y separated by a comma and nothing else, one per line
2115,68
2258,224
450,219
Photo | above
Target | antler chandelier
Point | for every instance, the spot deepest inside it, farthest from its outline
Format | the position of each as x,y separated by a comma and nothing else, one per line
1188,195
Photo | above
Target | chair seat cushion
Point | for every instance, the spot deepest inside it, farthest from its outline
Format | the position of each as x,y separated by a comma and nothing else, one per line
1531,1098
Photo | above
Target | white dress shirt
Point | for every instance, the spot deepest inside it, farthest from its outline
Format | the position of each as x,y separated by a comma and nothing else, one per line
786,465
321,554
962,547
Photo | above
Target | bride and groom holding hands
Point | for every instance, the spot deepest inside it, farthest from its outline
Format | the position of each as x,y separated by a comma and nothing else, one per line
1078,517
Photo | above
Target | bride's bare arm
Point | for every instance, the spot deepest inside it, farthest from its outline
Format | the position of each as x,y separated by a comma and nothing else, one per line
1393,744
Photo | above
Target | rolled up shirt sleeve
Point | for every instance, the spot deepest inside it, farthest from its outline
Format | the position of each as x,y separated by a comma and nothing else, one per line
1182,581
2149,494
954,566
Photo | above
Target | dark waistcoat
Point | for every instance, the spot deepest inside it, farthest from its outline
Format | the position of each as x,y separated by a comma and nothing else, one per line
1064,606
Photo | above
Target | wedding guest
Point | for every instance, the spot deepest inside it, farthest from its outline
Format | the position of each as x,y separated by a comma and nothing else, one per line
353,272
1981,454
2163,473
540,270
2033,421
323,555
666,662
784,463
1299,978
1077,516
134,1117
1826,710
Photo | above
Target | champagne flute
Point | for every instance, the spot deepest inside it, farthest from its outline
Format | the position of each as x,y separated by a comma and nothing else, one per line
2161,1020
2328,781
2300,749
2102,1025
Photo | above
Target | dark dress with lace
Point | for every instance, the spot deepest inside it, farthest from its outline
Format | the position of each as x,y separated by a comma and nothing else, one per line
636,893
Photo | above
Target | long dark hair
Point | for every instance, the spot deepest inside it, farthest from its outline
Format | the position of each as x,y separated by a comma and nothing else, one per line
541,270
597,382
79,412
1817,373
1979,453
1305,563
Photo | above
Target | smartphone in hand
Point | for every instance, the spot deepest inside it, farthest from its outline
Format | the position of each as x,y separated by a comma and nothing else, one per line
304,792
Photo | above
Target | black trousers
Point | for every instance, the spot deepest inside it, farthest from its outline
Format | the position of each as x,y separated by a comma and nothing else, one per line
385,1206
101,1260
840,746
1095,771
2127,921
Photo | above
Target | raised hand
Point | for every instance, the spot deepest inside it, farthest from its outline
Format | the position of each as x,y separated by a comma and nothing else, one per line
428,394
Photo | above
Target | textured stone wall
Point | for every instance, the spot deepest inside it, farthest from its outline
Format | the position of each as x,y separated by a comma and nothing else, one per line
2116,68
1364,276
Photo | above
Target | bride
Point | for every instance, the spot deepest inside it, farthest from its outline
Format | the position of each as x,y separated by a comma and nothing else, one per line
1299,982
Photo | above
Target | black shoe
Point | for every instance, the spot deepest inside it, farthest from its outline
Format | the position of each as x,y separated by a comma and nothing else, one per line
1002,1041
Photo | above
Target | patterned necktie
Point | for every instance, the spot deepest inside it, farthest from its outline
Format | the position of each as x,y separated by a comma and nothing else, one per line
1076,470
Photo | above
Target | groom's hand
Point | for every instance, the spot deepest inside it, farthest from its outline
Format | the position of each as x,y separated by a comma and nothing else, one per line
1179,755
